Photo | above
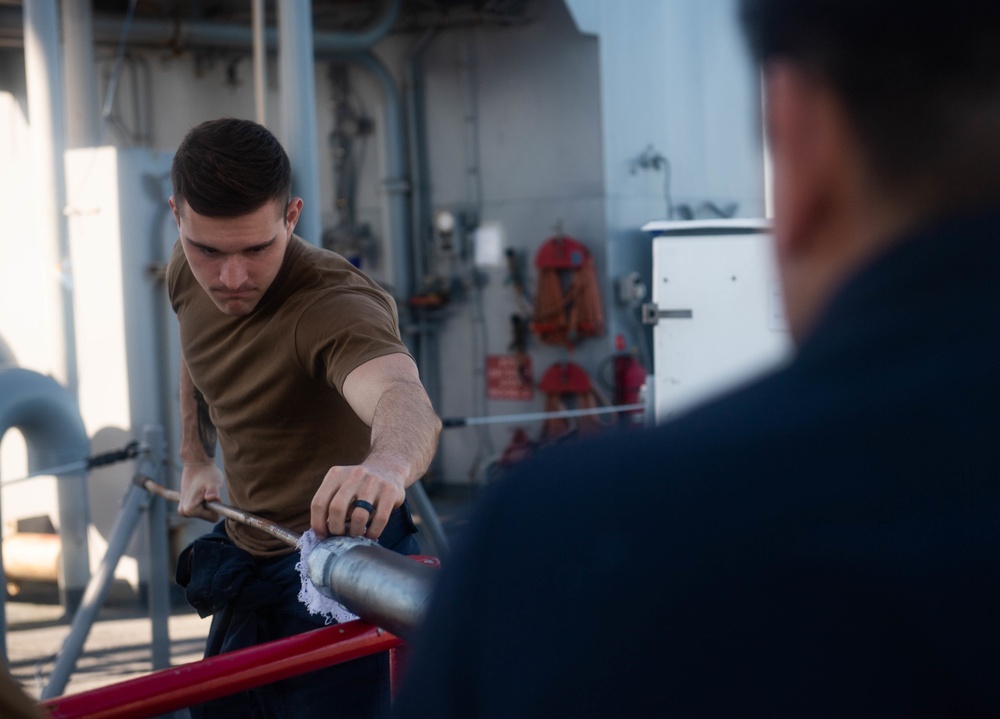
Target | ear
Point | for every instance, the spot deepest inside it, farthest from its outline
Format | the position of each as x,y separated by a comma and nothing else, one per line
173,209
292,212
804,125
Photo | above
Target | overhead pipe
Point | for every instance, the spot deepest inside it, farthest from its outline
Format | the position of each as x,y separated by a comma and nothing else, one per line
47,416
212,35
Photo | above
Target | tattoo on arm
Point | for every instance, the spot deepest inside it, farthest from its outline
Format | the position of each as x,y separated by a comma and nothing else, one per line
207,434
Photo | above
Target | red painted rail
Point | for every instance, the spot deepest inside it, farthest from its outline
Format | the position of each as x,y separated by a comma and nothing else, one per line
218,676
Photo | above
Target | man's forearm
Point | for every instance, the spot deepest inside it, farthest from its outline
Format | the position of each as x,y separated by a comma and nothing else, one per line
405,430
198,434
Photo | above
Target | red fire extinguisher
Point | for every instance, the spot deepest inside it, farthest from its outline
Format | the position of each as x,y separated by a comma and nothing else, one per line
629,379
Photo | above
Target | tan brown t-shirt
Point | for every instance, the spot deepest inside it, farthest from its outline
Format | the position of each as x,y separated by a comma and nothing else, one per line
273,379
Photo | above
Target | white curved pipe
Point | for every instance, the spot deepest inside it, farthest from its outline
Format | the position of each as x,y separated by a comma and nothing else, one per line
47,416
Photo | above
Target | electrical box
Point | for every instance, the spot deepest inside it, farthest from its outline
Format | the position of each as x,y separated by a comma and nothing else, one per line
717,310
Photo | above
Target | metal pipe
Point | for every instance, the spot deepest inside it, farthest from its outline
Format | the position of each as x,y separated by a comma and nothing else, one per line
297,88
397,183
380,586
97,591
47,126
468,70
198,682
420,210
237,515
69,468
48,418
153,464
530,416
204,34
431,523
425,330
259,61
83,127
136,500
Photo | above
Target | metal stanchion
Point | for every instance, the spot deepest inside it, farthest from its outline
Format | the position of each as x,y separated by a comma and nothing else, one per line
96,592
135,502
158,581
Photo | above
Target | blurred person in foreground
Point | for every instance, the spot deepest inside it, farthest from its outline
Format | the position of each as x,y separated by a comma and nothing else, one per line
825,541
292,361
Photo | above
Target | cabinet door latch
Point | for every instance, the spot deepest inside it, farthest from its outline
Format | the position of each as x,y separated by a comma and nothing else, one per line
652,314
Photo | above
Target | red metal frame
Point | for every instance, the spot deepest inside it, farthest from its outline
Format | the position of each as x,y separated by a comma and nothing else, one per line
193,683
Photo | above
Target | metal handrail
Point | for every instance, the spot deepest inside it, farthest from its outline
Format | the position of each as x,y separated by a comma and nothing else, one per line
182,686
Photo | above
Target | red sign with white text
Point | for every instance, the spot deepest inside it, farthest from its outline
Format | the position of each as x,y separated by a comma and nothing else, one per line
509,377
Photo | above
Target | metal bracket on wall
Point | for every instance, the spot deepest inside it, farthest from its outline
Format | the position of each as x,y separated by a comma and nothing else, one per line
652,314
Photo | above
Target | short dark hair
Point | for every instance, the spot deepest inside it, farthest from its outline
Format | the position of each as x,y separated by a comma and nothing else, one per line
229,167
920,81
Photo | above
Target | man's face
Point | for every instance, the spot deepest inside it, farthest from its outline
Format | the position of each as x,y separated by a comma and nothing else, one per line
235,259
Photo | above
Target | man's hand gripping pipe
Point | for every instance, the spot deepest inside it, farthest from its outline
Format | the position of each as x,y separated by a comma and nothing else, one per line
251,520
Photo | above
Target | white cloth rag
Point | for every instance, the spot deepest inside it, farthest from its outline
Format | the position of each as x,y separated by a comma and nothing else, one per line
313,599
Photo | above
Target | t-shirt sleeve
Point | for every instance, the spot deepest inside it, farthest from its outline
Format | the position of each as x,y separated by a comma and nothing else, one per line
343,329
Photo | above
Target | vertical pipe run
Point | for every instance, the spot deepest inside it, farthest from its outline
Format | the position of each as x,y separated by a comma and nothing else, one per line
259,62
83,127
298,109
153,465
420,210
46,118
397,184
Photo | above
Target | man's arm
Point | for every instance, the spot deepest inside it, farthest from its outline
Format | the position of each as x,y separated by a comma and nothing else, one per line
387,395
200,479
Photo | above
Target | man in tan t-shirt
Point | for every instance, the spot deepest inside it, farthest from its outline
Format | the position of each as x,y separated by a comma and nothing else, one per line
292,361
